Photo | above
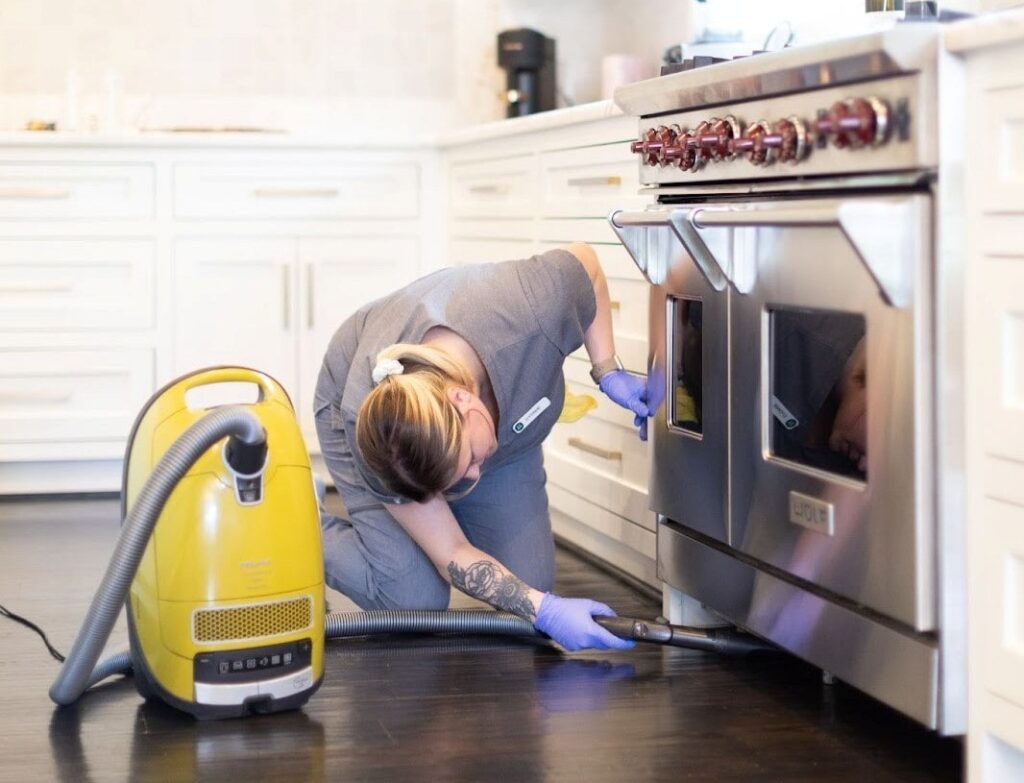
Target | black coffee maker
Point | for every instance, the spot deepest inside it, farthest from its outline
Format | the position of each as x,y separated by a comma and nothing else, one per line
528,58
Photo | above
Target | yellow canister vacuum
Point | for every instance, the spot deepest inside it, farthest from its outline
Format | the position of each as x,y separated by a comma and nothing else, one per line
219,566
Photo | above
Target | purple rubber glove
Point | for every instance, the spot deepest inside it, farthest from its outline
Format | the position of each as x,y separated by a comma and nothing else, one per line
629,391
570,622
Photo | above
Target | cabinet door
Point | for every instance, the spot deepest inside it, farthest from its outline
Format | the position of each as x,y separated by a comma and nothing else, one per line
236,304
340,275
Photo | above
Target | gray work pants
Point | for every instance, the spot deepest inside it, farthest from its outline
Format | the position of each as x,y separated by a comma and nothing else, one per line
374,562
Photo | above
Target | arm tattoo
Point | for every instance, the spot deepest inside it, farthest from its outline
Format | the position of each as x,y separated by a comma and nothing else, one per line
487,581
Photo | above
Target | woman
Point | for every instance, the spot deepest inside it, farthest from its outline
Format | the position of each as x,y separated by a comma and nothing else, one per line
431,407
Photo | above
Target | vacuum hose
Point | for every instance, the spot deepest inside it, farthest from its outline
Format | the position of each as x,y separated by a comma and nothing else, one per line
78,673
484,621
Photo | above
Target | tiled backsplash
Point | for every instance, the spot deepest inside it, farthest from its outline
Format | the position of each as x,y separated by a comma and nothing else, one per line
297,63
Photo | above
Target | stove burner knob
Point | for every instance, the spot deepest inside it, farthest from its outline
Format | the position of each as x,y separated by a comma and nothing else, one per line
717,144
856,122
697,149
682,152
653,143
793,133
760,145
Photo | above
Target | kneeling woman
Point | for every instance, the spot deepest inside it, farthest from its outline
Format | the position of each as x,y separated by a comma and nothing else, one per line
431,407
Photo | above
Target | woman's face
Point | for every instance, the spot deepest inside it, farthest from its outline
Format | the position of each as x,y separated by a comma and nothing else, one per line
479,441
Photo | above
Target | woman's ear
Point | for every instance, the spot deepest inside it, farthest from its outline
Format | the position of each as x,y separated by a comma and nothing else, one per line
459,397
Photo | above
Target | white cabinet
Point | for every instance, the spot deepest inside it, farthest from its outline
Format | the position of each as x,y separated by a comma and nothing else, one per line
56,401
338,276
290,190
238,305
49,285
274,303
985,220
124,265
75,190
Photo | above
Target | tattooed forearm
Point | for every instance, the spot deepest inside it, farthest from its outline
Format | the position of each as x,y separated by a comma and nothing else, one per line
487,581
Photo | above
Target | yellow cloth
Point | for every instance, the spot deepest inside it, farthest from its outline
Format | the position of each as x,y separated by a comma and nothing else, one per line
575,407
686,406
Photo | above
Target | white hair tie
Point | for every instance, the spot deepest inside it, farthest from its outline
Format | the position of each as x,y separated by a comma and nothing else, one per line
386,367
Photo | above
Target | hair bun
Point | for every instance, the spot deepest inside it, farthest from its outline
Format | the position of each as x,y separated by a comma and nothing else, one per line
386,367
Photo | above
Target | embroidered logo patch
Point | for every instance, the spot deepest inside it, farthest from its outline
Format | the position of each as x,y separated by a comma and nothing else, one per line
527,418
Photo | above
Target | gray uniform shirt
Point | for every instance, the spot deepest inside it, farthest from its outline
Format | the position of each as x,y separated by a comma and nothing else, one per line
521,317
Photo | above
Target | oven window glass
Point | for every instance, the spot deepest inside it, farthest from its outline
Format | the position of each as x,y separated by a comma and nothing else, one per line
687,383
818,403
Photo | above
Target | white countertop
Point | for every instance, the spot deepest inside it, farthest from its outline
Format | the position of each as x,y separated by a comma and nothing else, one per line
152,139
392,140
586,112
985,31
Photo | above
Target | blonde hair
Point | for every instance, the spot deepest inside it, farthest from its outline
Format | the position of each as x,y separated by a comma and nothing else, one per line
407,430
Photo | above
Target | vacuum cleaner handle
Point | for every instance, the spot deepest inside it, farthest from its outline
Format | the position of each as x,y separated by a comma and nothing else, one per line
270,390
726,641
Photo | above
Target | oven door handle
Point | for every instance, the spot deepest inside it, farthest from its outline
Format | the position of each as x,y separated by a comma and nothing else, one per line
649,237
887,236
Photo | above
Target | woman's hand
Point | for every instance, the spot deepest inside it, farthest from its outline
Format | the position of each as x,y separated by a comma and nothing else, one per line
629,391
570,622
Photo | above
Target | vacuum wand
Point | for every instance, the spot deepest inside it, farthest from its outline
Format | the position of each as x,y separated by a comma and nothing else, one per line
725,641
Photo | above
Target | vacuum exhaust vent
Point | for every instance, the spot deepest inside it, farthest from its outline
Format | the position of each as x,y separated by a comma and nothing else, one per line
253,621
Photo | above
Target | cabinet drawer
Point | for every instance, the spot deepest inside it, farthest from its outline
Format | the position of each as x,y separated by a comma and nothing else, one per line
299,191
603,440
502,188
476,251
71,191
49,399
589,181
62,284
619,497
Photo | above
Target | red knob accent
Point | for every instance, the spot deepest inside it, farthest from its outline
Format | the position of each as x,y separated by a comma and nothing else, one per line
758,144
857,122
793,133
653,145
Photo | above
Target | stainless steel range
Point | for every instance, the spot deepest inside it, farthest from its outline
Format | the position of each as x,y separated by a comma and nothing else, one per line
802,341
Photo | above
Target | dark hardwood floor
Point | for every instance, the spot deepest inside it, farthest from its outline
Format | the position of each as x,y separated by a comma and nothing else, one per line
437,709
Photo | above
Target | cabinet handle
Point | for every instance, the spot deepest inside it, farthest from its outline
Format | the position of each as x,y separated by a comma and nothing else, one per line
615,304
35,193
286,296
495,189
597,451
38,396
36,287
589,182
295,192
309,296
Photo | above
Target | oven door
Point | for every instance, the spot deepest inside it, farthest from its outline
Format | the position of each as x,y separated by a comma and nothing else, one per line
687,368
831,447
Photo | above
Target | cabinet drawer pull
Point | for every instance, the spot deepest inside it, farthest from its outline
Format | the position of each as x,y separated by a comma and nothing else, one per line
35,287
499,190
286,296
615,304
597,451
590,182
34,193
38,396
295,192
309,296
